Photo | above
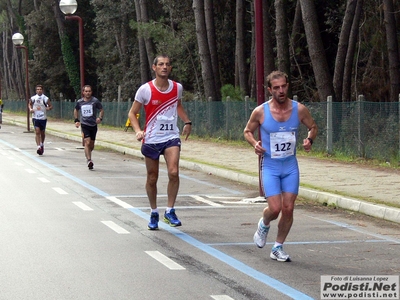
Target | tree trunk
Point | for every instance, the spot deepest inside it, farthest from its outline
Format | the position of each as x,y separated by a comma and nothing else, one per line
269,56
282,36
348,69
150,50
204,51
297,25
316,50
393,49
212,43
240,58
122,35
17,78
145,73
342,49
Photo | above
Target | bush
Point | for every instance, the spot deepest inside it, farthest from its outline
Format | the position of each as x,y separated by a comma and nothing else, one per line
235,93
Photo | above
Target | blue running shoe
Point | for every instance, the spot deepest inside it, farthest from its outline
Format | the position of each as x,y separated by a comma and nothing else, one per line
171,218
153,224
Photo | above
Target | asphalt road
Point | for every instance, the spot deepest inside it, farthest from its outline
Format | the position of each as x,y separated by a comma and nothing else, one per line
71,233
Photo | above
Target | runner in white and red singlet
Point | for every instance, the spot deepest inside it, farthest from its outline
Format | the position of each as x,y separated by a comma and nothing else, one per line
161,99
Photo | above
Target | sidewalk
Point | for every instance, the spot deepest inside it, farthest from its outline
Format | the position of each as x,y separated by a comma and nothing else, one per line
346,185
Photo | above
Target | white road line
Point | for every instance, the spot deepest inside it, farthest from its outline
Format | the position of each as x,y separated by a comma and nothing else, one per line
169,263
44,180
235,202
224,197
221,297
82,206
198,198
30,171
119,202
115,227
19,164
59,149
60,191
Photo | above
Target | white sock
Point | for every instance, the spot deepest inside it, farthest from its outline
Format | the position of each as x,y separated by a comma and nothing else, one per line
278,245
263,225
168,209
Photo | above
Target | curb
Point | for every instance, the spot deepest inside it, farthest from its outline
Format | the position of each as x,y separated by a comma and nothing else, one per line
374,210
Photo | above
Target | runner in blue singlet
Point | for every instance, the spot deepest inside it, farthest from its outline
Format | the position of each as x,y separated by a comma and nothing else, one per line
278,120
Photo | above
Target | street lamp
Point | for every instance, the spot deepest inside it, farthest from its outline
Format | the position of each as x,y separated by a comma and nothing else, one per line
69,7
18,40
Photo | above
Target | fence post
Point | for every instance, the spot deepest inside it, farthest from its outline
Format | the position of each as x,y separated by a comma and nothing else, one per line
360,120
228,101
118,122
196,112
329,126
210,123
246,108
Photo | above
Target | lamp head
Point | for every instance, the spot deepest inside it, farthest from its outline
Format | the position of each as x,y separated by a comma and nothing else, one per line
68,7
17,39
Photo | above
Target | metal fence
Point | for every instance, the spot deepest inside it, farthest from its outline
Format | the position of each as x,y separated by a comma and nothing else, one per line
356,129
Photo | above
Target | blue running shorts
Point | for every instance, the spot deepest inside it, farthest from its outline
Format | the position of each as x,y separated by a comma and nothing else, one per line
41,124
280,175
154,151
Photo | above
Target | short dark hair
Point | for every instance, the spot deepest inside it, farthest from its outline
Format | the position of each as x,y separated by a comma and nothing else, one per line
87,85
39,85
275,75
155,61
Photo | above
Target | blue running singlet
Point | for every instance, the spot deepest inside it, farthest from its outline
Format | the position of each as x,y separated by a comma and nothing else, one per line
279,168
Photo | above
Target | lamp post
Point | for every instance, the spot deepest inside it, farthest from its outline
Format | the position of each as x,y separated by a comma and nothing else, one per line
69,7
18,40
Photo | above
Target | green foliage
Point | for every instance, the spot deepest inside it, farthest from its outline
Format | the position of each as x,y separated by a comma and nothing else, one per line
112,54
115,49
234,93
71,65
180,45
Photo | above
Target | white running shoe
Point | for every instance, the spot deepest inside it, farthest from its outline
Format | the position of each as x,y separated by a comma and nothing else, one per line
260,237
278,254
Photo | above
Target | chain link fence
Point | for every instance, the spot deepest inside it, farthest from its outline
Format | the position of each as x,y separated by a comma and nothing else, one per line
355,129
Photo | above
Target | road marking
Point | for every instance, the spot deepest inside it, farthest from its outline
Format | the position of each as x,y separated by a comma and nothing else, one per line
115,227
44,180
357,229
30,171
302,243
60,191
19,164
59,149
119,202
201,199
238,265
221,297
169,263
83,206
223,197
229,260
